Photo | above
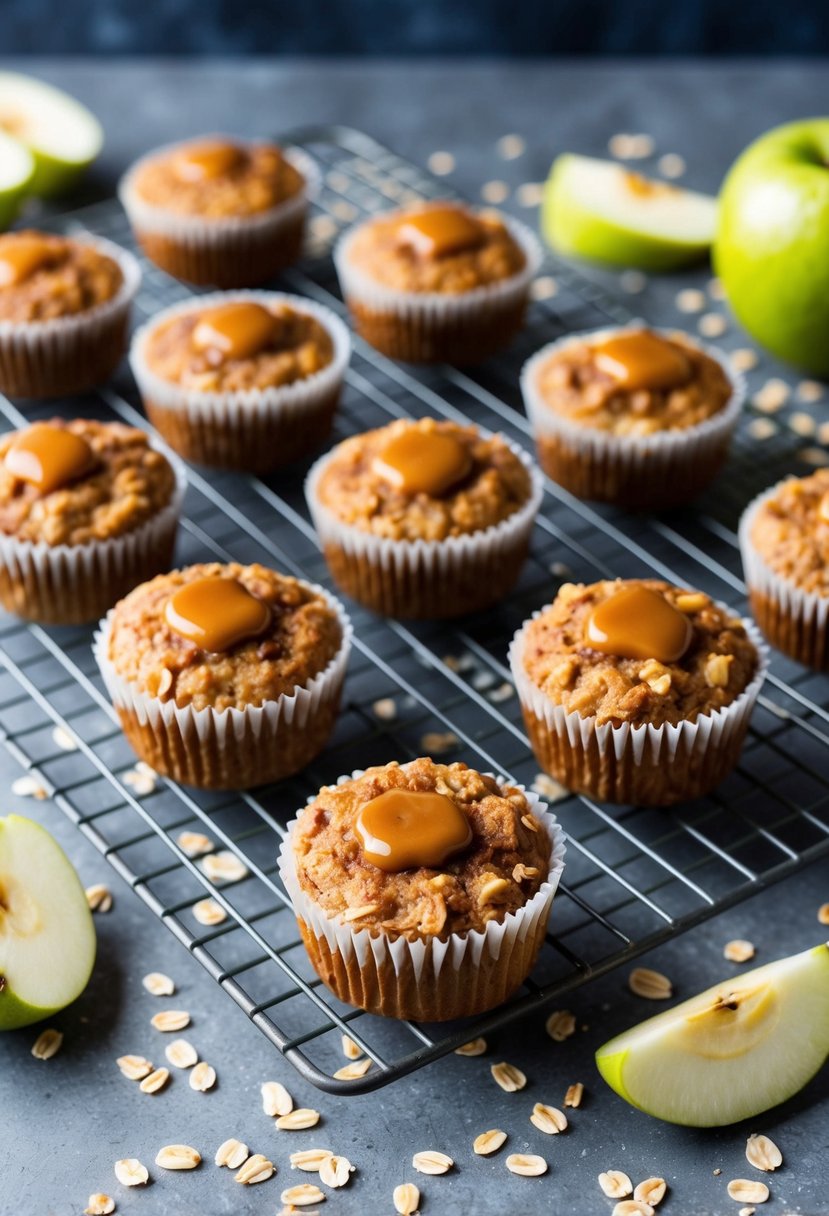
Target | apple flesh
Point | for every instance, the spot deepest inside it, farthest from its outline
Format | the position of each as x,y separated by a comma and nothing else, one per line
734,1051
47,939
599,210
62,136
17,170
772,245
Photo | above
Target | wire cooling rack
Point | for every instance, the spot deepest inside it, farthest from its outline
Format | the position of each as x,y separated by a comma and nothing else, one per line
634,877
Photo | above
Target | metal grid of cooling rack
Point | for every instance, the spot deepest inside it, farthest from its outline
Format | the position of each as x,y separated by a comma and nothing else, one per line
634,876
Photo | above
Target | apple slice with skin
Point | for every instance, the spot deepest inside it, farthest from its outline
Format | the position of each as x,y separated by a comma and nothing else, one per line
62,135
47,939
17,170
600,210
738,1049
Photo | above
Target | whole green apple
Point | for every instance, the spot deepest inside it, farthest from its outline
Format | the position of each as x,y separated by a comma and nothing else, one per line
772,243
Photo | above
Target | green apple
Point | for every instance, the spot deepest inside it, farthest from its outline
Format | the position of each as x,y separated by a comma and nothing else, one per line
62,135
772,246
17,169
47,939
736,1050
600,210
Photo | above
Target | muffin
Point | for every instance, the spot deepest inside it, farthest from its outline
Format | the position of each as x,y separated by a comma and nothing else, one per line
242,380
422,890
87,510
784,539
637,691
633,416
424,519
225,676
64,312
220,211
437,282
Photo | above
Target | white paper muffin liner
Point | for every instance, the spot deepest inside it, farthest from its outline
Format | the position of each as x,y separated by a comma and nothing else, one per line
794,620
257,429
70,354
230,748
425,578
449,964
71,584
665,460
693,746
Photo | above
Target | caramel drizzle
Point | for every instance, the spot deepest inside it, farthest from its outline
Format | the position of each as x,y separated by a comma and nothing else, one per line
638,623
216,613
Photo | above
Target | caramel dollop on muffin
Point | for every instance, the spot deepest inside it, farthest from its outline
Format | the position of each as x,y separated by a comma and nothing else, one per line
790,531
44,277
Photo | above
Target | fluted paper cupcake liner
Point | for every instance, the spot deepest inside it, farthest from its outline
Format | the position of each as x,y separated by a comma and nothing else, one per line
641,472
648,765
433,979
228,251
257,430
793,620
427,579
72,584
230,748
66,355
434,327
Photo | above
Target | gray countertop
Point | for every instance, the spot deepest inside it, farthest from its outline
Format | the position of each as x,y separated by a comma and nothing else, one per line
68,1119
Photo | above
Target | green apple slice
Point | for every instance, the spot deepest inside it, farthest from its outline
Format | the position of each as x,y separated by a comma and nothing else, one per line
62,135
47,939
738,1049
17,169
600,210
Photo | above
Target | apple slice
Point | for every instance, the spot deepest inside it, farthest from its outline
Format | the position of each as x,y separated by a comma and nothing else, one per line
597,209
17,169
47,939
731,1052
62,135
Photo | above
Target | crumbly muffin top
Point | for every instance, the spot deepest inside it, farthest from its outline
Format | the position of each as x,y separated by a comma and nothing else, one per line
574,384
495,486
719,663
45,277
302,637
469,250
295,346
791,531
217,178
503,867
128,483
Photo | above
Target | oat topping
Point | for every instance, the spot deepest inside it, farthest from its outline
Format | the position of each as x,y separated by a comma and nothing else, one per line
791,532
259,179
73,277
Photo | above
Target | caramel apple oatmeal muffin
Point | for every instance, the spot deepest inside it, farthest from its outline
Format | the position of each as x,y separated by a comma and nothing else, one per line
784,538
428,862
437,282
87,510
635,417
244,380
64,312
225,676
424,518
220,210
637,691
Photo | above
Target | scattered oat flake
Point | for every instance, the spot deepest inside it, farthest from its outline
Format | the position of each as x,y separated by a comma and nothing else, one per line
528,1164
353,1071
170,1019
762,428
158,984
494,192
809,390
181,1054
155,1081
772,396
275,1098
651,985
256,1169
544,785
651,1191
738,951
510,147
208,912
712,324
489,1142
530,194
194,843
744,359
508,1077
224,866
823,914
763,1153
746,1212
633,282
475,1047
560,1025
64,739
302,1195
232,1154
441,163
544,287
335,1171
406,1198
574,1095
690,300
814,456
350,1049
671,165
385,709
29,787
615,1184
140,783
47,1044
134,1068
746,1190
630,147
548,1119
802,424
298,1120
352,914
99,898
502,693
203,1077
435,742
178,1157
310,1159
99,1204
130,1172
432,1162
632,1207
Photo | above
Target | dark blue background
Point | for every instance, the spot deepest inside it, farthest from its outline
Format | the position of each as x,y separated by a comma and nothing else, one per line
390,27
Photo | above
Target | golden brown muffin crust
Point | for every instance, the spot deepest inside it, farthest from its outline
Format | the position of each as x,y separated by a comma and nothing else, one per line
503,867
719,663
75,278
572,385
129,484
497,486
262,179
791,531
303,636
377,251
